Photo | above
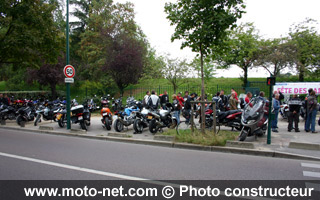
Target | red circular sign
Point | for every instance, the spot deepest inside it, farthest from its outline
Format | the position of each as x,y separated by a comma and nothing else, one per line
69,71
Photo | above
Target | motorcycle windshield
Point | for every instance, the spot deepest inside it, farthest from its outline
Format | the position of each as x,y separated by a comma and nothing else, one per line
254,110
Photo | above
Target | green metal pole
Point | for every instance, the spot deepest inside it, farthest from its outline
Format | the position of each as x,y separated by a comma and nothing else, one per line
269,116
67,62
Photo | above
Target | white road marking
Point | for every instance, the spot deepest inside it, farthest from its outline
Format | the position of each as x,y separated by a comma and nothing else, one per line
311,174
311,165
120,176
92,171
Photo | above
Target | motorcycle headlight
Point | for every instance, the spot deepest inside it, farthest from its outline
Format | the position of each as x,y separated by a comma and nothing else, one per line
251,121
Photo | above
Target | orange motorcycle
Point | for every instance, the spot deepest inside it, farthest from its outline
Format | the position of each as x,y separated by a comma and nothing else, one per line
106,115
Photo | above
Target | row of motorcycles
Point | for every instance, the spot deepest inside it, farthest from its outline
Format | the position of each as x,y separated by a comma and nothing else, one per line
48,111
134,113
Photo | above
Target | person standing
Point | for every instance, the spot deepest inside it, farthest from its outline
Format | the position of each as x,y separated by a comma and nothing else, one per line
294,111
146,98
312,109
187,107
306,109
164,99
235,94
177,108
233,102
276,108
248,99
180,99
224,101
154,100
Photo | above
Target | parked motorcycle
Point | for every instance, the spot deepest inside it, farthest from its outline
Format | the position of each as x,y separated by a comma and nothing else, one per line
284,111
125,118
7,112
106,115
26,114
81,114
160,119
254,118
141,120
48,111
230,118
117,104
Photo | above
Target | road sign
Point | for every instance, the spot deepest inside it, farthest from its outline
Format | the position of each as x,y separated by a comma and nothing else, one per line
69,71
69,80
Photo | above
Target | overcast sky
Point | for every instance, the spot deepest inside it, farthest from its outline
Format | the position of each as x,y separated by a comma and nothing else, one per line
272,18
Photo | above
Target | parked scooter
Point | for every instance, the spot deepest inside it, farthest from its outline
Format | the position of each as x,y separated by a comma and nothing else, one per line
254,118
26,114
161,119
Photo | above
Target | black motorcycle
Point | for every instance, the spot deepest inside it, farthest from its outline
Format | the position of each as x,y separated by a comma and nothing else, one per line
25,114
81,114
7,112
160,119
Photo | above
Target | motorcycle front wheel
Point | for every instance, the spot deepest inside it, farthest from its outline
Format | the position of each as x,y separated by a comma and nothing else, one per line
107,124
37,120
243,134
118,126
60,122
138,126
19,120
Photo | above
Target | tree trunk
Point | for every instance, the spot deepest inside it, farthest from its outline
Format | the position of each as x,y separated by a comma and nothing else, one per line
301,73
202,93
245,78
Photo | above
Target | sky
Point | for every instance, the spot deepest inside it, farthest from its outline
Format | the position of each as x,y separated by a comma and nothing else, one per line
272,18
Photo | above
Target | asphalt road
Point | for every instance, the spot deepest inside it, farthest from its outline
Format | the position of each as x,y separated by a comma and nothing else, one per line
35,156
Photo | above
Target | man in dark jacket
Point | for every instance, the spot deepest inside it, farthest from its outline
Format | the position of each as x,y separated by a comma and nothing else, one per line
224,101
294,110
187,106
164,99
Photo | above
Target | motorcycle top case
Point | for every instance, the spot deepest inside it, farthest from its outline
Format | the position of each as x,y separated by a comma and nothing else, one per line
77,109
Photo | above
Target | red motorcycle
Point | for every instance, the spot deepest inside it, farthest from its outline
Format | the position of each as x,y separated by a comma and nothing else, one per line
230,118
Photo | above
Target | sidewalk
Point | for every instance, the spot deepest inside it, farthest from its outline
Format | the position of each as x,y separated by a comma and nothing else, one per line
279,141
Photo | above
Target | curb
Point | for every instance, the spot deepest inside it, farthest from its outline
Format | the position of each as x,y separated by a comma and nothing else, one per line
253,152
307,146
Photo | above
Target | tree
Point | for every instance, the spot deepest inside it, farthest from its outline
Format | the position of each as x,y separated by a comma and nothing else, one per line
48,74
113,44
27,32
202,24
307,42
240,49
175,71
276,55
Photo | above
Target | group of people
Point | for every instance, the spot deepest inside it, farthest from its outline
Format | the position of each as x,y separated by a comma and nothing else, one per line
4,100
295,103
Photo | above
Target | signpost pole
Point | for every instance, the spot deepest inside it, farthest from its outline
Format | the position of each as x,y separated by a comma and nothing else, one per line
67,62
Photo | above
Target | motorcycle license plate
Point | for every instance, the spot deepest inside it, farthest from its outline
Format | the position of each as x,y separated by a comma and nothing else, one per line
150,117
104,114
80,118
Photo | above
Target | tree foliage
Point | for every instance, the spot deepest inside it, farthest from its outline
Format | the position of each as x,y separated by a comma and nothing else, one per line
307,42
240,49
113,44
175,71
276,55
28,33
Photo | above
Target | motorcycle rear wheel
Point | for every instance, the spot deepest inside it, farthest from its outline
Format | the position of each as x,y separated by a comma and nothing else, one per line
153,127
107,124
83,125
37,120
